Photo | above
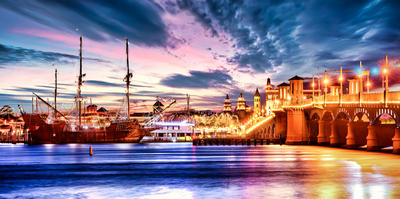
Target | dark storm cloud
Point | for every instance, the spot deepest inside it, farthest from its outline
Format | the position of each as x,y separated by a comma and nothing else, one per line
324,55
11,55
300,35
200,15
198,79
99,20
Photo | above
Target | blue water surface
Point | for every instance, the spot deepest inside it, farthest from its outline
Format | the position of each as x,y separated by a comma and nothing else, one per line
180,170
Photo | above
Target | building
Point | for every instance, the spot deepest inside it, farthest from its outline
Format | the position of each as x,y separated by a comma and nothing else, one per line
227,105
257,103
158,106
11,127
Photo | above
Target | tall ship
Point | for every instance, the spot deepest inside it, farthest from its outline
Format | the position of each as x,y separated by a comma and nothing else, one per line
73,127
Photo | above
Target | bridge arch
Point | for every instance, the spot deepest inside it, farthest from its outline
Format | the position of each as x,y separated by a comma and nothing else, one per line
343,112
359,112
327,115
389,112
313,127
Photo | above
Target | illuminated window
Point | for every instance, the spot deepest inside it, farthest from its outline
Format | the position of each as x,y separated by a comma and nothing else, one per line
284,93
356,87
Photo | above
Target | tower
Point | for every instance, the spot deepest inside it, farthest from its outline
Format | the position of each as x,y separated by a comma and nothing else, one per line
296,90
268,86
227,105
158,106
257,103
335,89
353,85
241,103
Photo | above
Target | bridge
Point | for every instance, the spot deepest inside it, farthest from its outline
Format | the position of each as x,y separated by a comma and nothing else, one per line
355,119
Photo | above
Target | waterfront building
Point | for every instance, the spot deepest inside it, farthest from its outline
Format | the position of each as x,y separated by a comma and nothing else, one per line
257,104
227,105
11,125
296,90
353,84
335,89
158,106
243,111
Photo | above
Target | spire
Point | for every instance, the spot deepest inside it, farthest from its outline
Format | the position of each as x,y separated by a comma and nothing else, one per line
241,95
227,96
257,93
269,86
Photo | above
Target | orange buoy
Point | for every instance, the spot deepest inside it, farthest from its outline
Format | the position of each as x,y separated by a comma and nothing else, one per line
91,151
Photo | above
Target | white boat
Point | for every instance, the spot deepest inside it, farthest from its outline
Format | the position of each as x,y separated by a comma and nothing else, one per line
172,132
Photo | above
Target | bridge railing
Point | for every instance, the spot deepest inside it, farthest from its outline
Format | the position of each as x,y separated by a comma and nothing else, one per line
258,123
350,98
373,97
394,96
332,98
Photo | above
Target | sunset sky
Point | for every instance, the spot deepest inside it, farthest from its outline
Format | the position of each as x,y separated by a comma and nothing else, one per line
204,48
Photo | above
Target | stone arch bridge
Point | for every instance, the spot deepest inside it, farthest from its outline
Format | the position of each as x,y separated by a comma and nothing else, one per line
375,126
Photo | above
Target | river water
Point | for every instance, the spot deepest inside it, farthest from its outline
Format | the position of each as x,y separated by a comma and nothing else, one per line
179,170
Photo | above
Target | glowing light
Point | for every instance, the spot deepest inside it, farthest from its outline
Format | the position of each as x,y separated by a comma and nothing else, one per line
385,71
340,78
375,71
313,84
326,81
368,84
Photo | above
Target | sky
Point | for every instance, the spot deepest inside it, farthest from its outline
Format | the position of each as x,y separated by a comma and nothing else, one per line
206,49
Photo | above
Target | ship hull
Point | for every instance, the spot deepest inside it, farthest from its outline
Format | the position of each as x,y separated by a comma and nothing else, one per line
42,133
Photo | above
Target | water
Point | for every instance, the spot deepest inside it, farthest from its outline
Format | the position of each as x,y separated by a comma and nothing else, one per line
178,170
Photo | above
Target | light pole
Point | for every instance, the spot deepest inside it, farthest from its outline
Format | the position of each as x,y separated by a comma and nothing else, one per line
326,89
385,71
341,92
313,84
360,86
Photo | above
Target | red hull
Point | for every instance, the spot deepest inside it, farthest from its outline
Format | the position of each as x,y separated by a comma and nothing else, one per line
42,133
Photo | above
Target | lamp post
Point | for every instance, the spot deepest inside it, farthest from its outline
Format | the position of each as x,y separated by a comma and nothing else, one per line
313,84
385,71
326,89
341,92
360,86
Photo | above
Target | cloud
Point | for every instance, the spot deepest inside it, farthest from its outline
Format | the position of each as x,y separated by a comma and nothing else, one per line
199,79
110,84
100,20
11,55
200,14
299,35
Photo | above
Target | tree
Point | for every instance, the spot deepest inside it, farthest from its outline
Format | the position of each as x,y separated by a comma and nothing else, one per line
6,110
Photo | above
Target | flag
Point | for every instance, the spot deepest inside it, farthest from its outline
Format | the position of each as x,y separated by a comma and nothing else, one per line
124,36
77,29
54,64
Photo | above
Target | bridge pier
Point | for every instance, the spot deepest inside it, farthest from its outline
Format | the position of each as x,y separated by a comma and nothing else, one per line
372,139
351,139
396,141
334,139
321,133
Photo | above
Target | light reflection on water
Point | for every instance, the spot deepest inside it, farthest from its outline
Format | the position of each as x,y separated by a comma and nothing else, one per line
179,170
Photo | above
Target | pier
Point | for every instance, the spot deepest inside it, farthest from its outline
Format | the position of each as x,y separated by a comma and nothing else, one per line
236,141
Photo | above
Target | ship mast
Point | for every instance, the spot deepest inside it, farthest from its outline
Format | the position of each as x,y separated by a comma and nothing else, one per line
55,97
80,82
127,78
